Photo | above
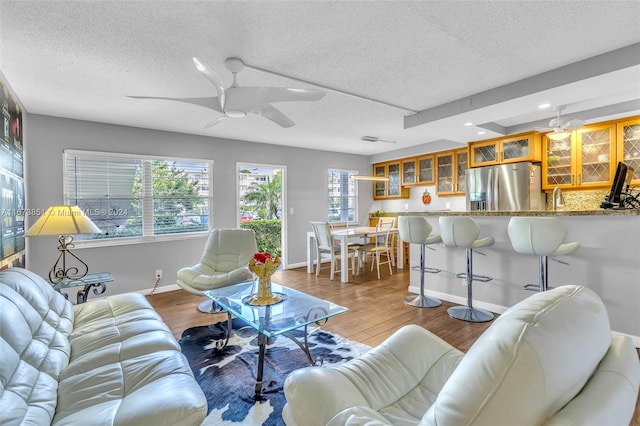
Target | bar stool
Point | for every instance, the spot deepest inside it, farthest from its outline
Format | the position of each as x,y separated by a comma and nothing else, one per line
543,237
417,230
463,231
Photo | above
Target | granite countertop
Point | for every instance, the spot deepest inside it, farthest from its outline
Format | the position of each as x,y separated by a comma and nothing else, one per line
598,212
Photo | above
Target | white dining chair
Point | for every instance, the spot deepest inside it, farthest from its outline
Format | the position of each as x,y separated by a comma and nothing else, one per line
326,248
380,247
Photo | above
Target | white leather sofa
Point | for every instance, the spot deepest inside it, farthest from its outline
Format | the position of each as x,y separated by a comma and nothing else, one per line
549,360
110,361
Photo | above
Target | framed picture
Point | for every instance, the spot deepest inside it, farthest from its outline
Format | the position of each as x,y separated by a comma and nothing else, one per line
12,207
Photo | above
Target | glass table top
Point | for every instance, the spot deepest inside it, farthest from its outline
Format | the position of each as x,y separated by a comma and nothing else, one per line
89,279
297,310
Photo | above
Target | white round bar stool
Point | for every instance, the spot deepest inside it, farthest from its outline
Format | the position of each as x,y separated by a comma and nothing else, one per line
543,237
463,231
417,230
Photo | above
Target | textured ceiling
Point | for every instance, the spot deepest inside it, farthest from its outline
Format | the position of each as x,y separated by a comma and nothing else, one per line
80,59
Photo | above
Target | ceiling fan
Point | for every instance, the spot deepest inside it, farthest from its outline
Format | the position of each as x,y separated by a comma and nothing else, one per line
237,102
561,129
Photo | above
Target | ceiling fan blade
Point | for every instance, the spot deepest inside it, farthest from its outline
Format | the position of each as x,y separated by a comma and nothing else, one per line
214,122
245,98
208,102
574,124
272,113
213,78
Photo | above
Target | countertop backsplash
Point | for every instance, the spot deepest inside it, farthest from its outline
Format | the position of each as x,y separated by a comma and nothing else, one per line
573,200
580,200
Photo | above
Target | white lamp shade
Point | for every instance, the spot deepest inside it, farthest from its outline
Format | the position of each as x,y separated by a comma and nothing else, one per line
63,220
372,178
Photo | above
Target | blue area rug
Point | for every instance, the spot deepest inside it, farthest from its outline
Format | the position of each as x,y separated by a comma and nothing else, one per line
228,376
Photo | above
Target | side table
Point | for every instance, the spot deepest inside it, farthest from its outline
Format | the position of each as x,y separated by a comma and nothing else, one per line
96,280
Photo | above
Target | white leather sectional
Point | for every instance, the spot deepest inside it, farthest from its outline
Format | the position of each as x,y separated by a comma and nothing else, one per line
549,360
110,361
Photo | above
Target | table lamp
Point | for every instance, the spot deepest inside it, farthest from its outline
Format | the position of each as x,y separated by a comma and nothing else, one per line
63,221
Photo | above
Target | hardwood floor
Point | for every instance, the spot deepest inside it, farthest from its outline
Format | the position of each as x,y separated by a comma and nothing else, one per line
376,309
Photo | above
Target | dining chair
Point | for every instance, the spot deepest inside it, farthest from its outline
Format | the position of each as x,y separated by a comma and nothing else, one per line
380,247
326,248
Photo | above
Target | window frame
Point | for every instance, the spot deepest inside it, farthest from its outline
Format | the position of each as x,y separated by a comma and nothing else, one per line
146,237
351,182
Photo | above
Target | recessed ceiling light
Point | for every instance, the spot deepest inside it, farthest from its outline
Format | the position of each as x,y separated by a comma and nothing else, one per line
543,106
481,132
468,123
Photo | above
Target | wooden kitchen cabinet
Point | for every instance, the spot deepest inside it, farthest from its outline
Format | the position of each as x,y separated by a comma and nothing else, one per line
426,171
628,145
451,169
393,187
418,170
584,159
511,149
409,172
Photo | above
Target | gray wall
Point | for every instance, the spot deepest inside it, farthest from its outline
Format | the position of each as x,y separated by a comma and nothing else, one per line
607,263
134,266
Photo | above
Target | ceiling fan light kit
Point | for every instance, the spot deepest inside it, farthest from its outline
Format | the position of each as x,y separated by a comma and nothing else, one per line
562,129
556,136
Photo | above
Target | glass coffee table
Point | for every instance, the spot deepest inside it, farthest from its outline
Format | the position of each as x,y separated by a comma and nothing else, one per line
297,311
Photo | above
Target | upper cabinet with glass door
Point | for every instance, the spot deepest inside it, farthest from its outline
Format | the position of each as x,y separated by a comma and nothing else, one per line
418,170
409,173
628,145
596,151
426,172
391,188
582,160
451,169
511,149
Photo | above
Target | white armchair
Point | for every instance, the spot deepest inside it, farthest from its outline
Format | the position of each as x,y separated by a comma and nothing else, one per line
549,360
223,263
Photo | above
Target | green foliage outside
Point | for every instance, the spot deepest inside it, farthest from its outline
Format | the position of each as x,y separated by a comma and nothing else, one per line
264,198
181,199
267,235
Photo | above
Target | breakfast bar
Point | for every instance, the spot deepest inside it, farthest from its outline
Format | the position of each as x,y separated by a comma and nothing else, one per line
608,262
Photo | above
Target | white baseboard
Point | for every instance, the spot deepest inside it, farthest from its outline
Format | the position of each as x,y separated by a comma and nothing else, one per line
460,300
160,289
495,308
297,265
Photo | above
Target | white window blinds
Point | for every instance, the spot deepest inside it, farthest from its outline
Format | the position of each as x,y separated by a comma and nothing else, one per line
343,195
138,196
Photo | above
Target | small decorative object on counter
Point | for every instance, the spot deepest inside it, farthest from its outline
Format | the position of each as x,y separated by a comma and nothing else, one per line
426,197
263,265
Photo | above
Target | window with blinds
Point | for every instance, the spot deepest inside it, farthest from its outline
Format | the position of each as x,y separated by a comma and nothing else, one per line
129,196
343,195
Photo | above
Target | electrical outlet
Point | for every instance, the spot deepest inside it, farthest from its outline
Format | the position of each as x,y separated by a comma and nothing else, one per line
158,273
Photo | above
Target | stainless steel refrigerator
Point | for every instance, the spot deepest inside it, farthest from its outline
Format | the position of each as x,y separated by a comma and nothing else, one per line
505,187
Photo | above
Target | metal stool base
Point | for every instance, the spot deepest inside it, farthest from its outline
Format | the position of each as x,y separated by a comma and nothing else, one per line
535,287
426,269
466,313
422,301
208,307
475,277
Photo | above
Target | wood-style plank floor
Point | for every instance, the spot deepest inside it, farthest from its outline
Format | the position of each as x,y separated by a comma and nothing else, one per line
376,309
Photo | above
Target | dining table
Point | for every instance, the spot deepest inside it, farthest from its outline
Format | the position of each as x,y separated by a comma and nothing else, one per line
343,236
